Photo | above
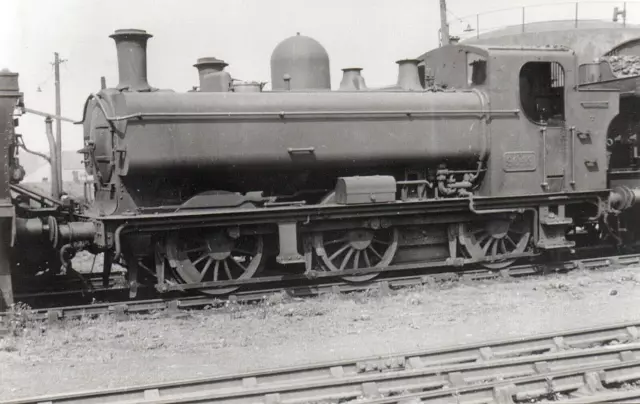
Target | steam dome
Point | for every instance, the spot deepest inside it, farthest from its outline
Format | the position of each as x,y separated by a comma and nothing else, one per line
300,63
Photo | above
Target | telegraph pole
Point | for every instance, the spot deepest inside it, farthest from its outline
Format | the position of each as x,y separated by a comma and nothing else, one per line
58,149
444,27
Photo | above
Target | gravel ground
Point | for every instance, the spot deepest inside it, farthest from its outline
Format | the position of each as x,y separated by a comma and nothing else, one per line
100,353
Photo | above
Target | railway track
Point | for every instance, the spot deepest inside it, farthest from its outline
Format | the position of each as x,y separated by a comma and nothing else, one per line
384,285
578,384
582,361
619,396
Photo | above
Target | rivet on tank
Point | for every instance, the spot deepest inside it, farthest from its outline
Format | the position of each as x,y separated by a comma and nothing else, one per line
300,63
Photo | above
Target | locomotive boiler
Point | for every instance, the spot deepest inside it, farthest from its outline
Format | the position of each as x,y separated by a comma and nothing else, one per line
504,158
280,142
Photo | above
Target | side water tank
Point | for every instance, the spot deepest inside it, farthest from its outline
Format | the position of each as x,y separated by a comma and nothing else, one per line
300,63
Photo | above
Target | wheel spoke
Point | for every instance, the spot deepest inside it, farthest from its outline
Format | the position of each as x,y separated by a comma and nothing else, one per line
206,268
366,258
227,270
485,249
199,260
483,238
496,242
356,260
244,269
340,251
143,266
374,251
193,260
355,248
346,259
216,267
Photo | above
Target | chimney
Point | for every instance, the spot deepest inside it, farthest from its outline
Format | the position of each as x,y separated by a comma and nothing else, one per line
408,77
131,45
352,79
209,65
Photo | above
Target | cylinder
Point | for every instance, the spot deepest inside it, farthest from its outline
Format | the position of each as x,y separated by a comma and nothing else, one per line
352,79
408,76
131,45
77,231
624,197
29,229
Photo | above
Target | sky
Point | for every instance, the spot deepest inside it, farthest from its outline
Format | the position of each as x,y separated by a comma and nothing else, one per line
371,34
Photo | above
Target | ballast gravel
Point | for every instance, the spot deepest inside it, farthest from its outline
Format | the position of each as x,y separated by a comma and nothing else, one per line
102,353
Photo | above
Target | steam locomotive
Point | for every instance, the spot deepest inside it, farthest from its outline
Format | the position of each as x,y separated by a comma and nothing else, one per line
477,155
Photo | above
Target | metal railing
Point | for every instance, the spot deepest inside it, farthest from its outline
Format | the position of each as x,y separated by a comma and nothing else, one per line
574,14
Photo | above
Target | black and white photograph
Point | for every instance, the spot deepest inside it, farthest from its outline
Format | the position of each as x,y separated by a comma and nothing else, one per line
319,201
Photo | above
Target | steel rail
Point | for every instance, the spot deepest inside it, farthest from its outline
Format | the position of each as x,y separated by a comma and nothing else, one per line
66,285
450,368
607,396
122,309
578,382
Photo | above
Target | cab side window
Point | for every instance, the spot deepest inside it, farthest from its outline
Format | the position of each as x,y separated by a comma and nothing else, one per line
542,92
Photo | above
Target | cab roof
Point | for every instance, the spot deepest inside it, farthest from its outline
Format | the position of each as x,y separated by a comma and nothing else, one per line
487,50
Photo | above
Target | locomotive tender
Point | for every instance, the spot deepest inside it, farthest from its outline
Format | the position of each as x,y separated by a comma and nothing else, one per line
504,158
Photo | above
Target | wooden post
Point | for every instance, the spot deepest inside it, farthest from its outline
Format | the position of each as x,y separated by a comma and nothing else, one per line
444,27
